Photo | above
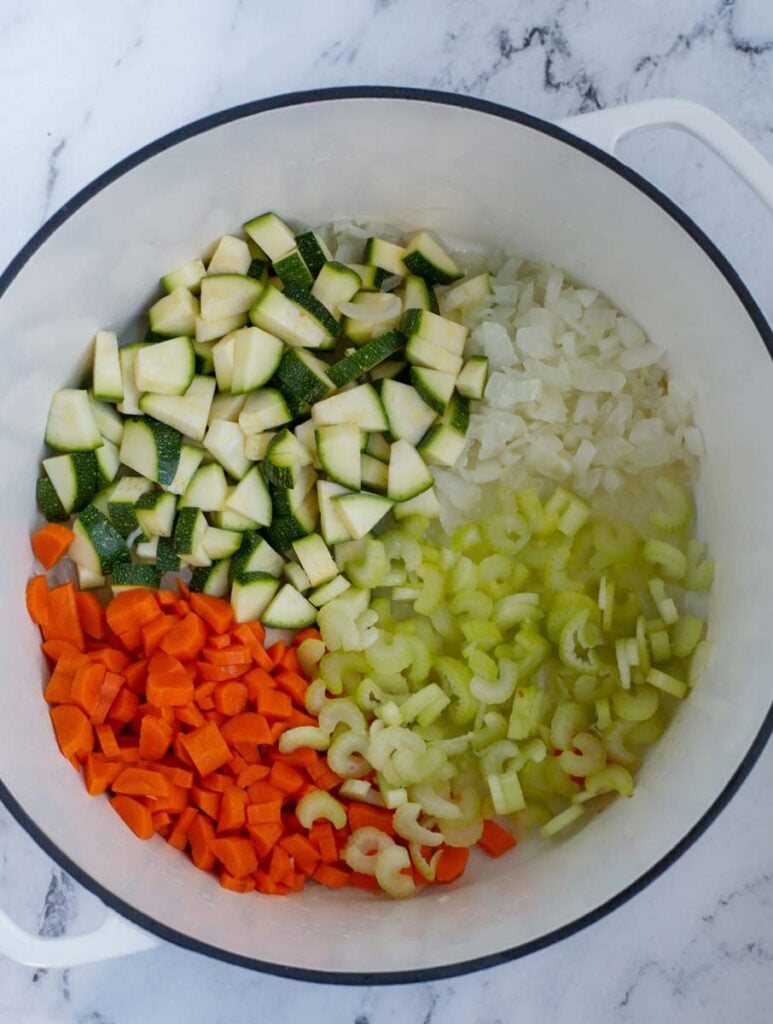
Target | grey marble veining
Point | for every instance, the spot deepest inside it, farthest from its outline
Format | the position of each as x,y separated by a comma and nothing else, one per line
89,83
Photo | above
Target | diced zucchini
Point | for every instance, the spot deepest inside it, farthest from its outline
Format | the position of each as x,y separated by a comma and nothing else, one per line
329,591
426,257
285,529
360,405
107,384
166,558
147,550
314,252
437,329
205,361
409,416
283,315
417,294
211,330
315,558
284,459
388,370
442,446
366,358
382,313
251,498
122,500
386,255
155,512
371,277
175,314
224,441
107,462
473,378
374,475
361,512
166,368
228,519
127,356
264,410
378,447
226,407
271,235
294,574
434,387
48,501
187,413
256,445
127,576
225,295
152,449
75,478
408,472
219,543
336,283
457,415
256,357
223,358
333,527
256,555
425,504
207,490
338,450
88,580
289,610
188,276
466,294
97,546
231,256
189,536
109,422
304,376
211,579
422,352
305,432
190,460
251,594
291,269
71,425
258,269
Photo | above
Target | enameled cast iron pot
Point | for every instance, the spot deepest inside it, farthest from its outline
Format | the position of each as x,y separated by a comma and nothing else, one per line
492,175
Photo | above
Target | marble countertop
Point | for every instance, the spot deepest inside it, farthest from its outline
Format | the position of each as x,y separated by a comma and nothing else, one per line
87,83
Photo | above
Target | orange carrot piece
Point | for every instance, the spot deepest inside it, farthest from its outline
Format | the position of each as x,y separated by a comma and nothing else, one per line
73,730
181,608
495,840
231,698
111,687
453,861
303,757
162,822
169,689
248,727
131,639
124,707
136,676
173,773
175,800
232,810
189,714
87,686
263,792
54,649
202,695
252,773
285,777
361,881
50,542
364,816
107,741
273,705
131,610
254,645
99,773
234,655
236,854
37,600
206,748
165,598
155,737
217,614
59,687
153,632
218,673
134,813
207,801
321,835
219,641
264,837
306,634
200,834
280,866
289,662
62,621
258,630
216,781
113,659
185,639
242,885
178,837
141,782
303,852
293,684
333,878
267,813
91,614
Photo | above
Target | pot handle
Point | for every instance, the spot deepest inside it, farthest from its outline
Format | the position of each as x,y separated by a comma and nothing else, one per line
114,937
605,128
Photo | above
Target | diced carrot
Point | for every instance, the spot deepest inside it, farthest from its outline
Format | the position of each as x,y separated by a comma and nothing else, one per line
264,883
303,852
207,801
175,800
181,608
276,651
202,695
280,866
258,630
361,881
136,675
219,641
107,741
232,809
186,638
266,813
129,754
111,687
289,662
231,698
364,816
113,659
155,737
200,835
293,684
298,718
162,822
153,632
258,679
91,614
285,777
303,757
327,780
62,621
131,638
453,861
189,714
124,707
54,649
332,877
141,782
177,776
165,598
272,704
236,884
234,655
73,730
495,840
206,748
219,673
252,773
59,687
37,600
178,837
247,637
131,610
217,782
217,614
134,813
236,854
50,542
87,686
169,689
248,727
99,773
306,634
321,835
263,792
264,837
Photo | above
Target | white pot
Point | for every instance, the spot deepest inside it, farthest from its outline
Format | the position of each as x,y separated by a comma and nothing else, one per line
474,170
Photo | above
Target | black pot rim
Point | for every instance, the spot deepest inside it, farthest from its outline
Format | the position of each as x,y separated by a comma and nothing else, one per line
712,252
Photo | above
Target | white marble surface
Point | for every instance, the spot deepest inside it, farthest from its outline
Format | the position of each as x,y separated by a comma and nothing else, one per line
87,82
